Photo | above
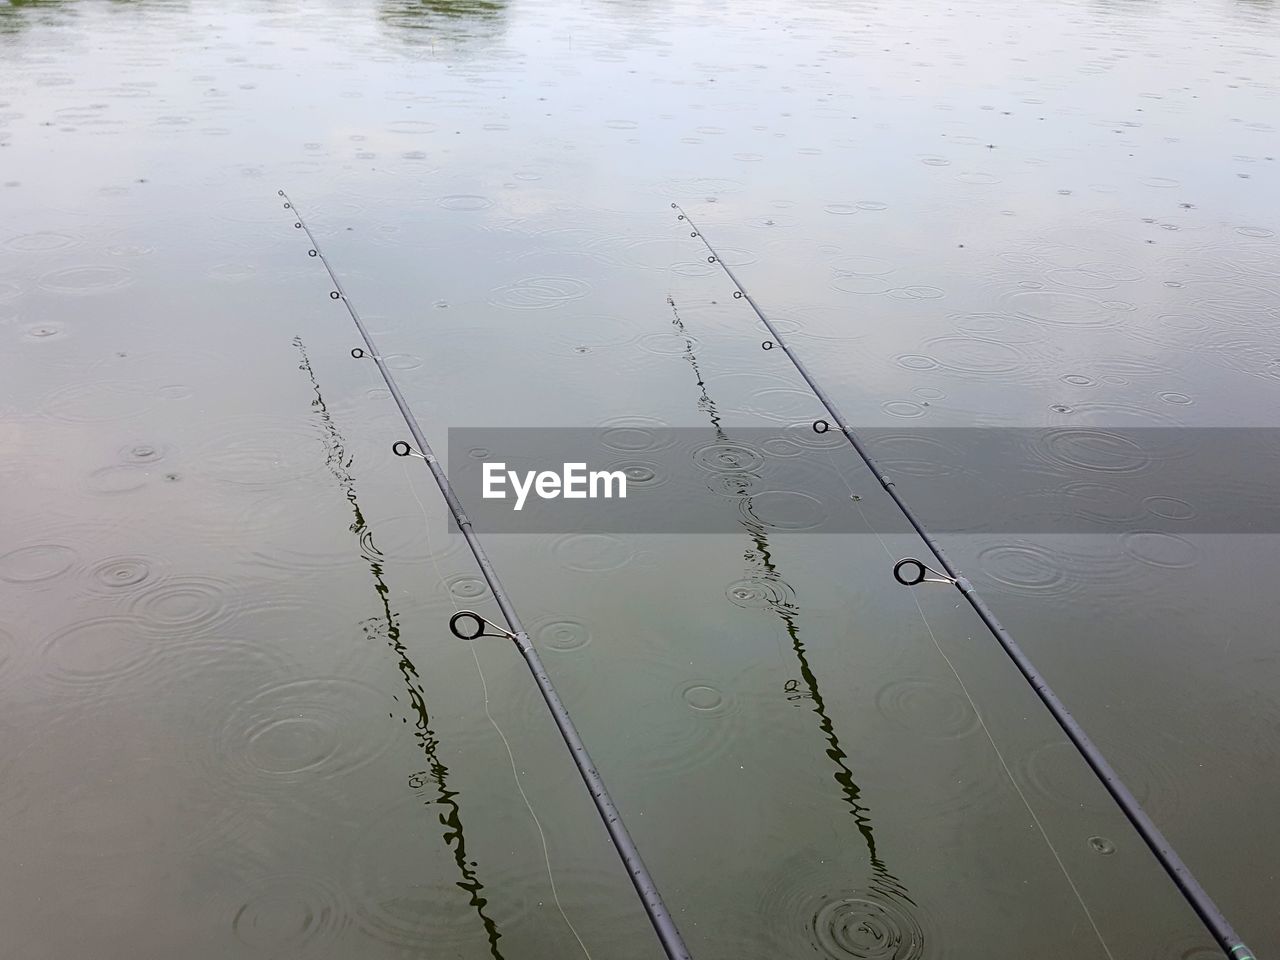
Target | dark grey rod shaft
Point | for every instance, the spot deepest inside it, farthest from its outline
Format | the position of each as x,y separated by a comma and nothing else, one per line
654,906
1204,907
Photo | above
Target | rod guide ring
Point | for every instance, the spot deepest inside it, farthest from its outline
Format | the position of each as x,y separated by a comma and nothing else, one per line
481,624
921,573
458,631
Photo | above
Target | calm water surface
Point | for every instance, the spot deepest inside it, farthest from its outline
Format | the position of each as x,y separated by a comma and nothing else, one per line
235,724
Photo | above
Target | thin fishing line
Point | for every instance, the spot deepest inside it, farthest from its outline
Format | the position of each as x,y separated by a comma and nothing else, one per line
1009,773
1159,846
655,908
484,686
546,854
981,721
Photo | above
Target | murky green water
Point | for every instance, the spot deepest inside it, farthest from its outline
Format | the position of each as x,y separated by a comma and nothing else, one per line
235,723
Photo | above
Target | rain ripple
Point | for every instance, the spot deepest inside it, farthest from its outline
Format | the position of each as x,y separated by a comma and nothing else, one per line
592,552
99,653
404,893
1056,773
1059,574
976,357
37,562
1057,308
563,635
8,659
465,202
99,401
87,279
44,242
288,914
302,730
728,457
845,924
254,452
539,293
762,593
121,573
927,707
701,722
859,928
1093,450
183,605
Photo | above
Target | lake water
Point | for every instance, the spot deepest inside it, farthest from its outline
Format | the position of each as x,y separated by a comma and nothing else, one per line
235,723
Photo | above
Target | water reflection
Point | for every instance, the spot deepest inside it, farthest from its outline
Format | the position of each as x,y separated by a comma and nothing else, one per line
1254,11
769,590
385,628
421,22
16,15
19,15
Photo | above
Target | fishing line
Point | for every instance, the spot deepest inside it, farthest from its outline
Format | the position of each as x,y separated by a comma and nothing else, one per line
923,577
654,906
908,572
458,615
1160,847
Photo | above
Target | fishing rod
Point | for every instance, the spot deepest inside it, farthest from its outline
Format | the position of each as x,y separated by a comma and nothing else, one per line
664,926
1164,852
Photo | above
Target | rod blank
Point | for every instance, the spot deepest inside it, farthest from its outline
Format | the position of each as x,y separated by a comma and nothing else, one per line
1178,871
663,925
